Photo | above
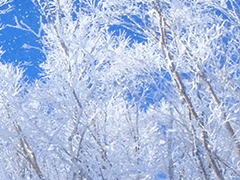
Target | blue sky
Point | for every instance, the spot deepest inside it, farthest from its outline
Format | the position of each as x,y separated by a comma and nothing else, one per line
12,39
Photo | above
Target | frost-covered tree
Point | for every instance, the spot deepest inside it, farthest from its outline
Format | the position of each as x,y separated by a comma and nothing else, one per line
197,45
68,125
109,107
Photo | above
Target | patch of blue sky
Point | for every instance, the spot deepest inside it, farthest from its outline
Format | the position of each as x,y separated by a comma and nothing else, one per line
49,109
231,102
12,40
133,36
233,5
84,6
226,39
161,176
220,13
148,89
221,60
133,26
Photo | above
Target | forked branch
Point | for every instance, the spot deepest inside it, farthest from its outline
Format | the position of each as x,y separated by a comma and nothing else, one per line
185,97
